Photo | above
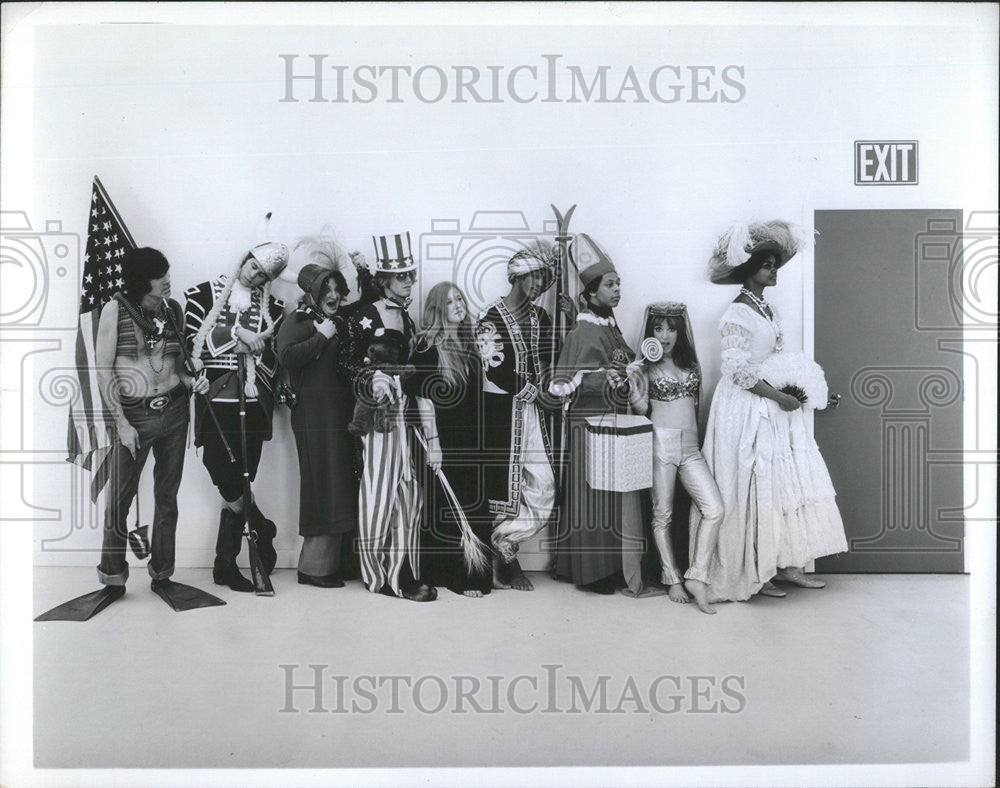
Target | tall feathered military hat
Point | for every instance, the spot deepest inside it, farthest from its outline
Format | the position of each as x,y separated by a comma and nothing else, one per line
271,256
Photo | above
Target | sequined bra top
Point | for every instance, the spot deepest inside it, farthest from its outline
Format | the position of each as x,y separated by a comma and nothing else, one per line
667,389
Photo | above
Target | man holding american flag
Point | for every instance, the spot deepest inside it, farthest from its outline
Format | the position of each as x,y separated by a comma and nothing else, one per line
145,386
133,399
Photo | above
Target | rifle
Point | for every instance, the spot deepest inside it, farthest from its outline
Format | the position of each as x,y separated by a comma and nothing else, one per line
261,582
189,365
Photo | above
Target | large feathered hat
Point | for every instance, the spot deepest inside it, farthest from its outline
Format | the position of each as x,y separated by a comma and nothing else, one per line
312,278
325,256
742,241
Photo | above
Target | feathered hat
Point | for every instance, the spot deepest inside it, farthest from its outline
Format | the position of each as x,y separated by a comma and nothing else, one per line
271,256
742,241
325,257
312,278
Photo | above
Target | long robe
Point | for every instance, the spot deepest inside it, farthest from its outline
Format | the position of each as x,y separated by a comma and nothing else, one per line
328,490
456,411
600,532
514,361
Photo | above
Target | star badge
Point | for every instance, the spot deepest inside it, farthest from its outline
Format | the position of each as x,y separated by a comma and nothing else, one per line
366,323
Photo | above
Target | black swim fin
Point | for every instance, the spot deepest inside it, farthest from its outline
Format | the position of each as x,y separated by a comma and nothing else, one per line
184,597
85,607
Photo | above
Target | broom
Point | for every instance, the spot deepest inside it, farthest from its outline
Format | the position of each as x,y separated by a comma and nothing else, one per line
473,549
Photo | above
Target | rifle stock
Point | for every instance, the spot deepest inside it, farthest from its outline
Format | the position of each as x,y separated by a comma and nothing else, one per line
261,582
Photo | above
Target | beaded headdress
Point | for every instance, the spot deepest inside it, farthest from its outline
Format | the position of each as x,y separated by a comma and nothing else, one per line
669,309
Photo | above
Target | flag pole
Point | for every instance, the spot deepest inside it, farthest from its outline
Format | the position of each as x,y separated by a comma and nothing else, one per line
561,328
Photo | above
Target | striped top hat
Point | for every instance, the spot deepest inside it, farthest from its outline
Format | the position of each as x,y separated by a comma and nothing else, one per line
392,254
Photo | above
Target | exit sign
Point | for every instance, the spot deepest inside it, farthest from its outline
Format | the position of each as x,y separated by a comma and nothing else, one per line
885,162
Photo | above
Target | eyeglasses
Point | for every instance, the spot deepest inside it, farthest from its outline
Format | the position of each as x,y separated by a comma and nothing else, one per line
407,276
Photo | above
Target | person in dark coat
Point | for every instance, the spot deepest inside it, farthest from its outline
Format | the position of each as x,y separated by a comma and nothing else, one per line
309,347
447,387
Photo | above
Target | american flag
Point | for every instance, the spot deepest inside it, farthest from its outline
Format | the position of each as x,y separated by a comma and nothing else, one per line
91,428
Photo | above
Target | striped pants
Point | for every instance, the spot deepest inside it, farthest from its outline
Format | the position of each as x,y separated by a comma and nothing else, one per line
389,511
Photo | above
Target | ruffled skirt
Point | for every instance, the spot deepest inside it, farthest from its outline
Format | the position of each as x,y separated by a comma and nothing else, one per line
781,508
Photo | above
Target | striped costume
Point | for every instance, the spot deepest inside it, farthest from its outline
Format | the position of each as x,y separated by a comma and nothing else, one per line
389,502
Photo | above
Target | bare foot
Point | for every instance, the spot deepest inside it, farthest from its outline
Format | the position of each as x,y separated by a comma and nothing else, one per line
677,593
501,574
699,590
473,593
517,579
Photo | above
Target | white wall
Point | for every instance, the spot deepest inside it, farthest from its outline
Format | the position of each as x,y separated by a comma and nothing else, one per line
185,129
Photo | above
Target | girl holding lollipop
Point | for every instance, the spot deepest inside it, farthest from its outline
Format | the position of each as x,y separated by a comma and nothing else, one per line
666,383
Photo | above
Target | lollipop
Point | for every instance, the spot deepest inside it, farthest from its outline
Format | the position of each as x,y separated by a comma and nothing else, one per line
651,349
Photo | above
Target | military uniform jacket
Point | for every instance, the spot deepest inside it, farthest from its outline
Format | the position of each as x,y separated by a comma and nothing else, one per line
218,354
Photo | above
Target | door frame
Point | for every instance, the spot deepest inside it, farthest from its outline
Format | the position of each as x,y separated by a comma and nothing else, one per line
972,540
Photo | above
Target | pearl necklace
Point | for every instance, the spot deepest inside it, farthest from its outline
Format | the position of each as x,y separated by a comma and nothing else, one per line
768,314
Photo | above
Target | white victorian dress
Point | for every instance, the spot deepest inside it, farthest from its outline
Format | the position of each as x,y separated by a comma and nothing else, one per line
780,503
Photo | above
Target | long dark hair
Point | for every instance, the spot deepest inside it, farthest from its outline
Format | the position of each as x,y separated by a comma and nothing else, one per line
140,267
682,353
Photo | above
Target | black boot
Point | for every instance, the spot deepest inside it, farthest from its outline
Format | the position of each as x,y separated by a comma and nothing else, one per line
266,530
227,547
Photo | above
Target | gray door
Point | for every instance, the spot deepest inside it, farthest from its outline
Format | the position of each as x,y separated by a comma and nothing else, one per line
888,335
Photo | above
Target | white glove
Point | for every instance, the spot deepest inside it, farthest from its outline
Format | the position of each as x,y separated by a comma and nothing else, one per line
327,328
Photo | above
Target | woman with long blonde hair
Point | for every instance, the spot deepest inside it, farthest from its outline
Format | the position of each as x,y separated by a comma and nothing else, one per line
447,389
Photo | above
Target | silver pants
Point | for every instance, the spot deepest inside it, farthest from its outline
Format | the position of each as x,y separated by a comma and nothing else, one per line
676,453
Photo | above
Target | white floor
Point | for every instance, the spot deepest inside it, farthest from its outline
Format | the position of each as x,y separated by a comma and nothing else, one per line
871,669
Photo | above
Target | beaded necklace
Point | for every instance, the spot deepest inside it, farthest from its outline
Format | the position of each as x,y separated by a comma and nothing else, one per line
153,329
768,314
